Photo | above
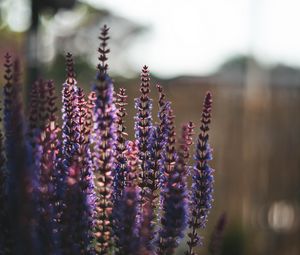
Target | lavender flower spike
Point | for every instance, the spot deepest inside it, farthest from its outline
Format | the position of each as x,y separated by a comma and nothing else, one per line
168,158
202,185
121,169
175,198
143,126
86,196
65,164
45,153
104,141
127,214
20,164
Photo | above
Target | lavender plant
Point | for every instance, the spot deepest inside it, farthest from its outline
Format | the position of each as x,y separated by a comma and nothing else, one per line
85,188
202,187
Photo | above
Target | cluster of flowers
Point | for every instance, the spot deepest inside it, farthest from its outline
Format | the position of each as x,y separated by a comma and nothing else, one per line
85,188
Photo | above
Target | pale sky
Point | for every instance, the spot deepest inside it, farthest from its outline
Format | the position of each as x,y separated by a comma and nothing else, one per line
194,37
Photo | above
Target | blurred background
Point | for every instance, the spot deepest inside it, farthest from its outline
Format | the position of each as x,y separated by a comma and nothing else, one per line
245,51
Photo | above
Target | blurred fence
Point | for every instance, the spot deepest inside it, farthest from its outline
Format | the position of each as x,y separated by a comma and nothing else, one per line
256,142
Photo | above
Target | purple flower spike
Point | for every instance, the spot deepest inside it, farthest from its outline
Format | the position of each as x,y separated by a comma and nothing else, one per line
202,186
149,142
174,198
82,159
104,141
19,162
103,50
143,126
73,212
162,129
127,213
68,112
65,161
121,167
146,231
46,153
71,75
79,195
41,109
169,152
33,111
51,100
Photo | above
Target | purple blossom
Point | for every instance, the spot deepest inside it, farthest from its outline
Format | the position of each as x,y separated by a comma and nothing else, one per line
143,126
104,141
175,198
33,117
128,240
202,186
169,156
20,204
146,226
68,111
46,152
64,164
120,166
162,128
82,161
121,169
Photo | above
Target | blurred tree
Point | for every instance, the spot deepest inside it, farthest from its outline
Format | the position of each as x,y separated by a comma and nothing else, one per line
235,69
49,28
37,8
